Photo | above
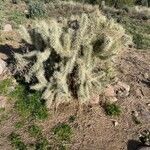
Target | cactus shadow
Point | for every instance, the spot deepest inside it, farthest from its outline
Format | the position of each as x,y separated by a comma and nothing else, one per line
133,145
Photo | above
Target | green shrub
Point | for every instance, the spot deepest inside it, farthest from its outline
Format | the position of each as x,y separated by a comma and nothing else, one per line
19,124
63,131
138,40
42,144
17,18
36,9
112,109
5,86
34,130
29,104
16,141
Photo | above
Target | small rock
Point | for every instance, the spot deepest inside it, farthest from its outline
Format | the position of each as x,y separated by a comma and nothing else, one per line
139,93
94,99
109,91
124,85
8,28
26,11
2,66
2,102
143,113
135,113
115,123
146,76
111,99
122,89
148,104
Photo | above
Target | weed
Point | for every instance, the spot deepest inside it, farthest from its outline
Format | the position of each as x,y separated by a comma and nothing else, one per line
17,18
138,40
19,125
3,117
36,9
34,130
42,144
2,110
29,104
112,109
63,131
15,140
5,86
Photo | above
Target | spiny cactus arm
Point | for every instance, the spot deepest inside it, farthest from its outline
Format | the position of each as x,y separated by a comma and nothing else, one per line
21,62
43,29
42,81
38,68
25,34
49,94
30,54
55,35
83,23
67,40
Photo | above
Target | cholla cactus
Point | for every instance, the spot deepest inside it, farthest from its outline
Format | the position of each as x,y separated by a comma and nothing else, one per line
71,58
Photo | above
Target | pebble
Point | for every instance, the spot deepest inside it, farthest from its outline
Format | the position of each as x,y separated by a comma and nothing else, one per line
109,91
8,28
2,66
115,123
2,102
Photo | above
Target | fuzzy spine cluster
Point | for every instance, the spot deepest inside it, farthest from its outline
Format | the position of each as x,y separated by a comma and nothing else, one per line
71,59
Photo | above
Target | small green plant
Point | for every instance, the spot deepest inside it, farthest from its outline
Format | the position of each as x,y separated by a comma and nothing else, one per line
63,131
138,40
19,124
29,104
36,9
17,18
34,130
5,86
42,144
15,140
112,109
4,117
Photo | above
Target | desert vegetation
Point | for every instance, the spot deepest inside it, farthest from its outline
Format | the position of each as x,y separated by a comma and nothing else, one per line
74,74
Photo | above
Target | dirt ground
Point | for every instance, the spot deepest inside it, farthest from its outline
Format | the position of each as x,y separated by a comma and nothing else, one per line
92,128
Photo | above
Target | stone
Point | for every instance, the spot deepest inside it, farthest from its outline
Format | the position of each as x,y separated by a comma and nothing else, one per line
143,113
94,99
122,89
109,91
139,93
115,123
146,75
124,85
2,102
111,99
8,28
2,66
